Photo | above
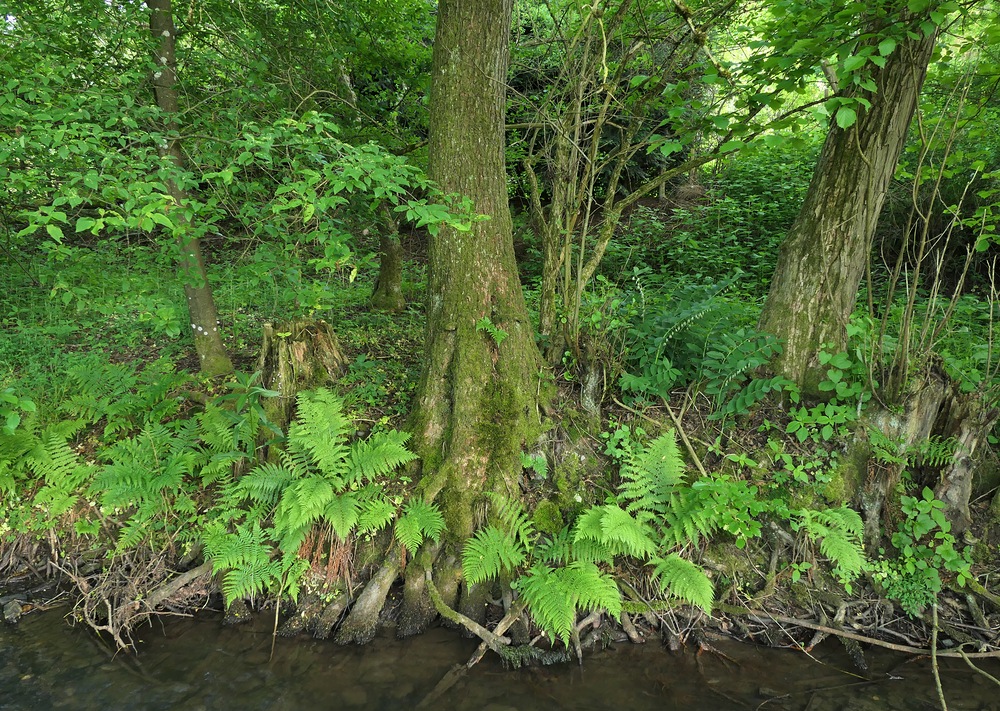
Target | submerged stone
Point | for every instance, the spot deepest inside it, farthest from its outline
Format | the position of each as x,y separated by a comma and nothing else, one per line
12,612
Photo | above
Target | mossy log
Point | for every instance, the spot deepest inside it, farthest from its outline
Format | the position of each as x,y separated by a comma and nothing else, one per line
297,355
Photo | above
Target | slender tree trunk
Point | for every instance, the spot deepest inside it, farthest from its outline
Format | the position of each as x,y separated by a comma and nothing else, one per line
822,261
388,293
201,305
476,404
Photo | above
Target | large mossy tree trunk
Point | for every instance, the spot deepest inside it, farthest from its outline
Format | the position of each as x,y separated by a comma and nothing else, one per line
477,401
212,357
822,260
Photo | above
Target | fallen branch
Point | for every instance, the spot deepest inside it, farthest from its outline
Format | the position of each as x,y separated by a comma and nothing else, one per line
764,617
458,671
168,590
934,662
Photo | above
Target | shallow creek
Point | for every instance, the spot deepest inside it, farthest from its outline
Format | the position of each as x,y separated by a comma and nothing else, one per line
199,665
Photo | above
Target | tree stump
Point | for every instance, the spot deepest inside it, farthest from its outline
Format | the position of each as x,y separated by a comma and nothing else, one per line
297,355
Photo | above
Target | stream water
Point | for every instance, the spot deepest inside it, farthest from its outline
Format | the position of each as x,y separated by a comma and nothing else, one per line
198,665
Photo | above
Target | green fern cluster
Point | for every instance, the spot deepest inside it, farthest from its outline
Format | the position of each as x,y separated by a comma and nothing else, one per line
729,366
556,596
670,334
564,574
320,479
122,396
43,463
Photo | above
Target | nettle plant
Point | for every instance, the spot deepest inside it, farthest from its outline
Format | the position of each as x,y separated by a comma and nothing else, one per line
925,551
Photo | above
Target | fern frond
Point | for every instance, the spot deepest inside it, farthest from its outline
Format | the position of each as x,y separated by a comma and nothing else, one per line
555,596
618,530
302,503
514,519
591,588
55,461
379,455
590,550
839,532
684,580
549,603
342,514
321,429
265,483
690,515
420,520
557,549
588,525
376,513
489,552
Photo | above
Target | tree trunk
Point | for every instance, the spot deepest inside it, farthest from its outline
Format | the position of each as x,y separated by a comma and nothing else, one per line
477,401
822,261
388,293
297,355
969,420
212,354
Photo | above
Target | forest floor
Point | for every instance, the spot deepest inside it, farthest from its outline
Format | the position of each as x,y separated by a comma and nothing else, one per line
778,590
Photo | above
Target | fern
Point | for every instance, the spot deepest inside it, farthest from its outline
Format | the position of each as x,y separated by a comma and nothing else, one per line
650,476
376,513
839,534
265,483
489,552
321,430
551,605
558,549
381,454
514,520
419,521
622,533
342,513
684,580
689,516
554,597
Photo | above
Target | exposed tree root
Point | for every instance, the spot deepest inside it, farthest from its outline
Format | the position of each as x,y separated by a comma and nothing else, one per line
362,621
418,610
493,640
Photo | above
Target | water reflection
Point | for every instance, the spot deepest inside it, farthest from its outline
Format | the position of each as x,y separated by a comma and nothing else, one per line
199,665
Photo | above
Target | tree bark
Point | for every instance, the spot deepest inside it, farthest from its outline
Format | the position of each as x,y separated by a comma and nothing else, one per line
212,355
297,355
477,401
822,261
388,292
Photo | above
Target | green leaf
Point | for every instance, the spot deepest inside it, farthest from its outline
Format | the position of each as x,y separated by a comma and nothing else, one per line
854,62
886,46
846,116
685,580
85,223
55,232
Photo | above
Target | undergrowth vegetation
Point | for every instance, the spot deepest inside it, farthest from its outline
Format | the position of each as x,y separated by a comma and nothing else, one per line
110,445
